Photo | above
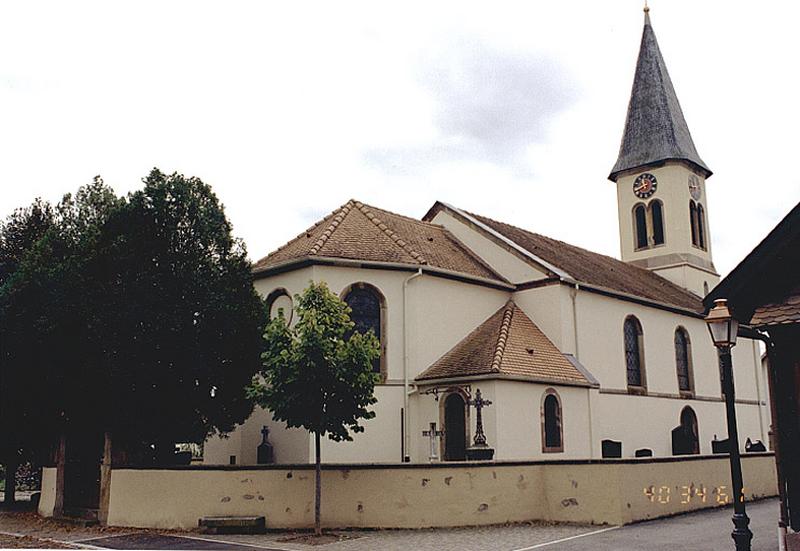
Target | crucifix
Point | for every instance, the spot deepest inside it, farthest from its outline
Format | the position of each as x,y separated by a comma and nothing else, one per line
479,403
432,434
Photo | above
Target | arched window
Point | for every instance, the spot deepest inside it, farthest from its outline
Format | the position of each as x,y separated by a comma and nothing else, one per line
279,302
640,226
634,361
552,430
368,312
693,222
705,287
690,430
657,218
701,226
683,361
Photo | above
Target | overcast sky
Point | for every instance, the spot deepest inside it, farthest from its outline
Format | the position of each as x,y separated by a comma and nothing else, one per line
511,110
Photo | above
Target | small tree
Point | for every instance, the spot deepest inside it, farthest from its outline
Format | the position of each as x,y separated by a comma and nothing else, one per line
318,374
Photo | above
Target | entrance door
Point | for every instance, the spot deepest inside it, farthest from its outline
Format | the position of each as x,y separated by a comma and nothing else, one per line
83,455
455,431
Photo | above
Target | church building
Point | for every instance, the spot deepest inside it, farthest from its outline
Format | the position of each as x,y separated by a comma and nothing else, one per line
498,342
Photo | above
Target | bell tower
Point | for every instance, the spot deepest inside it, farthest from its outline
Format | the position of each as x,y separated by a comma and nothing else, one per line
661,180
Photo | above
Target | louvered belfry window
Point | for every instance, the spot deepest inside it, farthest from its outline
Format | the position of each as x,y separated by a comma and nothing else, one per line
682,360
633,353
366,314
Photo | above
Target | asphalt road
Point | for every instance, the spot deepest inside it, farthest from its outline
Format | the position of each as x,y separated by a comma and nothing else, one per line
701,531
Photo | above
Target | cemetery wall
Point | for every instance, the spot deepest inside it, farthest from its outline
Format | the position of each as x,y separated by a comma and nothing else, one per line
413,496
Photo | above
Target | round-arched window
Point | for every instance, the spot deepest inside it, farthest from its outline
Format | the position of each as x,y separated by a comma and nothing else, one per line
279,302
366,305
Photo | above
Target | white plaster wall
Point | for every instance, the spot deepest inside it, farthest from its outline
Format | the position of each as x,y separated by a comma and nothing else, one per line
647,422
441,313
550,308
519,421
673,191
504,262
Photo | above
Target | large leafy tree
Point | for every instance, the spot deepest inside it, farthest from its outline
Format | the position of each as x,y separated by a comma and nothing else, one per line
21,437
135,317
183,324
318,374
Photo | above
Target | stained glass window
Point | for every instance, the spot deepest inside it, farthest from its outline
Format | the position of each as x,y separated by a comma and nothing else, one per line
682,359
365,304
552,423
633,353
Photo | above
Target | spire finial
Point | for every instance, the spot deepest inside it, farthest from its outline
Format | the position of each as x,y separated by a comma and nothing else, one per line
646,13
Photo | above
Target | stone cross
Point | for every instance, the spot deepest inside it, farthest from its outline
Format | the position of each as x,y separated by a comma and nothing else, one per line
479,403
432,434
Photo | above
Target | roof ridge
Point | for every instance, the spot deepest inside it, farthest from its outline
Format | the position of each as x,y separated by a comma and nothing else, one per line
381,225
559,241
502,336
305,233
343,211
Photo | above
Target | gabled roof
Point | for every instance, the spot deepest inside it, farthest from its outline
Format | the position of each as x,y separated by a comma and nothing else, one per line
764,286
356,231
655,129
508,344
570,263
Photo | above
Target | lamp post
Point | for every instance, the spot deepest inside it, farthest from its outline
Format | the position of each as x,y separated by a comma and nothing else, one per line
723,328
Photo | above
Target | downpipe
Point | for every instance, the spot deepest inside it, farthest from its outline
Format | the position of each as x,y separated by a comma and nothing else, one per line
406,439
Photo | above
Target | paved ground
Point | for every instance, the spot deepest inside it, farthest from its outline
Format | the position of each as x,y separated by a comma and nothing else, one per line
691,532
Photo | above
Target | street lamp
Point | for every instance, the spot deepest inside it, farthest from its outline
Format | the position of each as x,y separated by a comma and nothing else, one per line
723,328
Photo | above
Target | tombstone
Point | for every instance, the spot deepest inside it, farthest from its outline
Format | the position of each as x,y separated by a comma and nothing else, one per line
265,454
754,447
682,441
719,446
479,450
643,452
432,435
611,448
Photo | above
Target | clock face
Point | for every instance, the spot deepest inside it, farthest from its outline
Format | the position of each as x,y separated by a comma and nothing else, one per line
694,187
645,185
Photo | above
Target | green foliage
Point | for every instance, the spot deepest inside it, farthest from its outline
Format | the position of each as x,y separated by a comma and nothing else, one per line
132,315
315,376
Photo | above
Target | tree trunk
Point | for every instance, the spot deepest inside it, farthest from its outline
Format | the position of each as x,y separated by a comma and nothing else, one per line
105,480
11,481
61,458
318,492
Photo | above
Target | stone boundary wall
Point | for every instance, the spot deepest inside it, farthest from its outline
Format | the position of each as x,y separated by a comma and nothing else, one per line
415,496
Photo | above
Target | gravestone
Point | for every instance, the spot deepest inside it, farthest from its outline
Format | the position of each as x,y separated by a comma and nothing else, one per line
719,446
265,454
611,448
682,441
754,447
643,452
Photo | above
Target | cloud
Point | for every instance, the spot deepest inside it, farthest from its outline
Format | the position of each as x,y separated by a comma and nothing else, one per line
488,106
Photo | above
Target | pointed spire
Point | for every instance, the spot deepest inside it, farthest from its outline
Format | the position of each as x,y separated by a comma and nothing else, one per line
655,129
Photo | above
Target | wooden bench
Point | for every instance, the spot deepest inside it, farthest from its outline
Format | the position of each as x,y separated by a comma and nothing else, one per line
233,525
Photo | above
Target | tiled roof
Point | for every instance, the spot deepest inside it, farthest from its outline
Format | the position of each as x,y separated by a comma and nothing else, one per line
781,313
508,343
655,129
597,269
360,232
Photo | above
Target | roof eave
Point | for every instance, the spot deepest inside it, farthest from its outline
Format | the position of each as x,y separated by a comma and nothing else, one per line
503,377
618,170
308,260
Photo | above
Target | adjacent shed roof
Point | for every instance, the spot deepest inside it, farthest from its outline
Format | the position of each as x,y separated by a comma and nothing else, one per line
655,129
507,344
763,289
357,231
